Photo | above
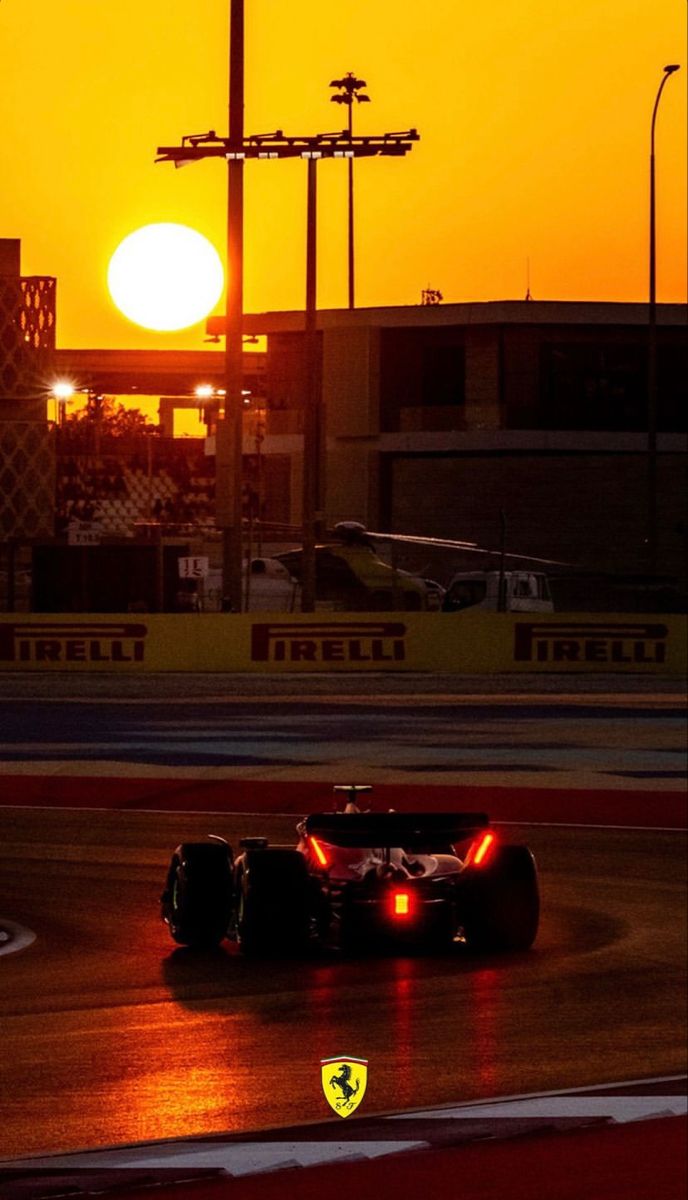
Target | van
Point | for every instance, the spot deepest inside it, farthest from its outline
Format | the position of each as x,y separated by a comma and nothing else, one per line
524,591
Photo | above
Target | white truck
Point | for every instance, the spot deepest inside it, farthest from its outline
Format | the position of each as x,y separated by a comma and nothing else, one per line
523,591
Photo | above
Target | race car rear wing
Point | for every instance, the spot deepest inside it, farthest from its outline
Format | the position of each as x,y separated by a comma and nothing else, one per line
412,831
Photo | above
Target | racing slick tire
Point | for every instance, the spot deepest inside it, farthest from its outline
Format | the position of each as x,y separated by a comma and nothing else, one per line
198,899
500,902
274,897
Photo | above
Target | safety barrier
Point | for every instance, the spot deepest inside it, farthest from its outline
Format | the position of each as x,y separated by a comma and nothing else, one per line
463,643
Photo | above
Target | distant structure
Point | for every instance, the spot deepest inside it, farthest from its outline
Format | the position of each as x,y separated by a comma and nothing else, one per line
528,295
350,89
27,343
431,296
439,415
435,422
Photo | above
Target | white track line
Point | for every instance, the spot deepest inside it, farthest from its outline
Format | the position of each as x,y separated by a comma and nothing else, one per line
619,1109
229,813
593,1087
237,1158
576,825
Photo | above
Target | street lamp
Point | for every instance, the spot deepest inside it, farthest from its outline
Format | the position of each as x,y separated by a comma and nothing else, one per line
228,445
350,90
652,350
62,391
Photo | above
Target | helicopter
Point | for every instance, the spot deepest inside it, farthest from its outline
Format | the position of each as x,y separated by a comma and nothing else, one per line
353,576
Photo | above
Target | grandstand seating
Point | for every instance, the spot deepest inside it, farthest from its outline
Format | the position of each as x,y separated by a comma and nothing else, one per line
118,492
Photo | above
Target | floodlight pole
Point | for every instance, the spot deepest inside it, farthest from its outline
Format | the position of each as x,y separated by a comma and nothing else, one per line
351,208
652,350
229,436
349,89
311,424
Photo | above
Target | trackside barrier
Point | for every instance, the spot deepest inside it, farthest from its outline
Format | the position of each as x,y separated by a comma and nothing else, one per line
462,643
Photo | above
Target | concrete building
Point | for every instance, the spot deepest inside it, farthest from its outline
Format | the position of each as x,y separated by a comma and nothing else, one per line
437,418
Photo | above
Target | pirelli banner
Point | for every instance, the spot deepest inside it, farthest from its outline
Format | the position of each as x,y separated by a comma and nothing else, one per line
468,643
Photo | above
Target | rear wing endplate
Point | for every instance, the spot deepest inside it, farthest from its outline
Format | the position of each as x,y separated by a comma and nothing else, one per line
408,830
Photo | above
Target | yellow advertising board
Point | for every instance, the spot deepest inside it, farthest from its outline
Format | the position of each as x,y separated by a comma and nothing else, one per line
462,643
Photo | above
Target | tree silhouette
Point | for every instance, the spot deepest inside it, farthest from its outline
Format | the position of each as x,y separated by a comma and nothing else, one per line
111,418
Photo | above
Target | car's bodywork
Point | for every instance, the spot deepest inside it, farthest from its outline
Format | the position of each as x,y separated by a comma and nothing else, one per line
357,880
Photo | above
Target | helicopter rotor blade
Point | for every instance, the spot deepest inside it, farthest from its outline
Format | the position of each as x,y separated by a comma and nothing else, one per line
413,539
528,558
418,540
466,547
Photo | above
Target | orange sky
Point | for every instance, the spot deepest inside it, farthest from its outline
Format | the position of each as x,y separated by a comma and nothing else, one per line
534,118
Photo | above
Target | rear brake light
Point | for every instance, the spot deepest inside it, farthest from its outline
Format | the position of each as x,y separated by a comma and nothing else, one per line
401,904
319,852
480,851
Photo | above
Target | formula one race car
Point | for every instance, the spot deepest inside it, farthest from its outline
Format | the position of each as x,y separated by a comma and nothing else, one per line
358,879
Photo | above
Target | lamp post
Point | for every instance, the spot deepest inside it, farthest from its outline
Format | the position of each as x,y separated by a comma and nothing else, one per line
312,472
62,391
652,350
350,90
229,438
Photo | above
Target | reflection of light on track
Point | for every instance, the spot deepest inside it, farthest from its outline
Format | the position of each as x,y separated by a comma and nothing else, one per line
402,1004
204,1076
484,1026
14,937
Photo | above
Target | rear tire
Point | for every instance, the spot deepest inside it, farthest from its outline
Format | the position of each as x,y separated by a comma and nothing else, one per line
199,897
500,902
274,901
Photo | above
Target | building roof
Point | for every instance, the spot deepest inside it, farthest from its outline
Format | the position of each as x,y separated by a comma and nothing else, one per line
491,312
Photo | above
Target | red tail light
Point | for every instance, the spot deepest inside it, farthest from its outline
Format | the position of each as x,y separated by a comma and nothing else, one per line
401,904
319,852
480,851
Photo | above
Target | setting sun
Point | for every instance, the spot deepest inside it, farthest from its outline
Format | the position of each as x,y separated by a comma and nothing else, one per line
165,277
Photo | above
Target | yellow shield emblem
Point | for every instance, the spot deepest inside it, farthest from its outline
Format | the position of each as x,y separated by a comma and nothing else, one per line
344,1082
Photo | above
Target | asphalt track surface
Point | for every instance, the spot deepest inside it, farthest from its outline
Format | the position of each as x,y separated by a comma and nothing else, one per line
111,1035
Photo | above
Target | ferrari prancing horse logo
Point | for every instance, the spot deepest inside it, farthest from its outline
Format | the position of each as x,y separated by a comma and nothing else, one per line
344,1082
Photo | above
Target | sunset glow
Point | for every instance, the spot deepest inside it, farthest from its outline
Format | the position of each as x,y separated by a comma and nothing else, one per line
532,166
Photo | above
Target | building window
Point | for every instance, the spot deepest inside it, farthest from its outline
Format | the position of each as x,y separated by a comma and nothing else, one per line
593,387
442,379
422,374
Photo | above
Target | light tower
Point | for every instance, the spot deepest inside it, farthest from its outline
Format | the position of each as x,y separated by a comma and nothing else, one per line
350,90
652,349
